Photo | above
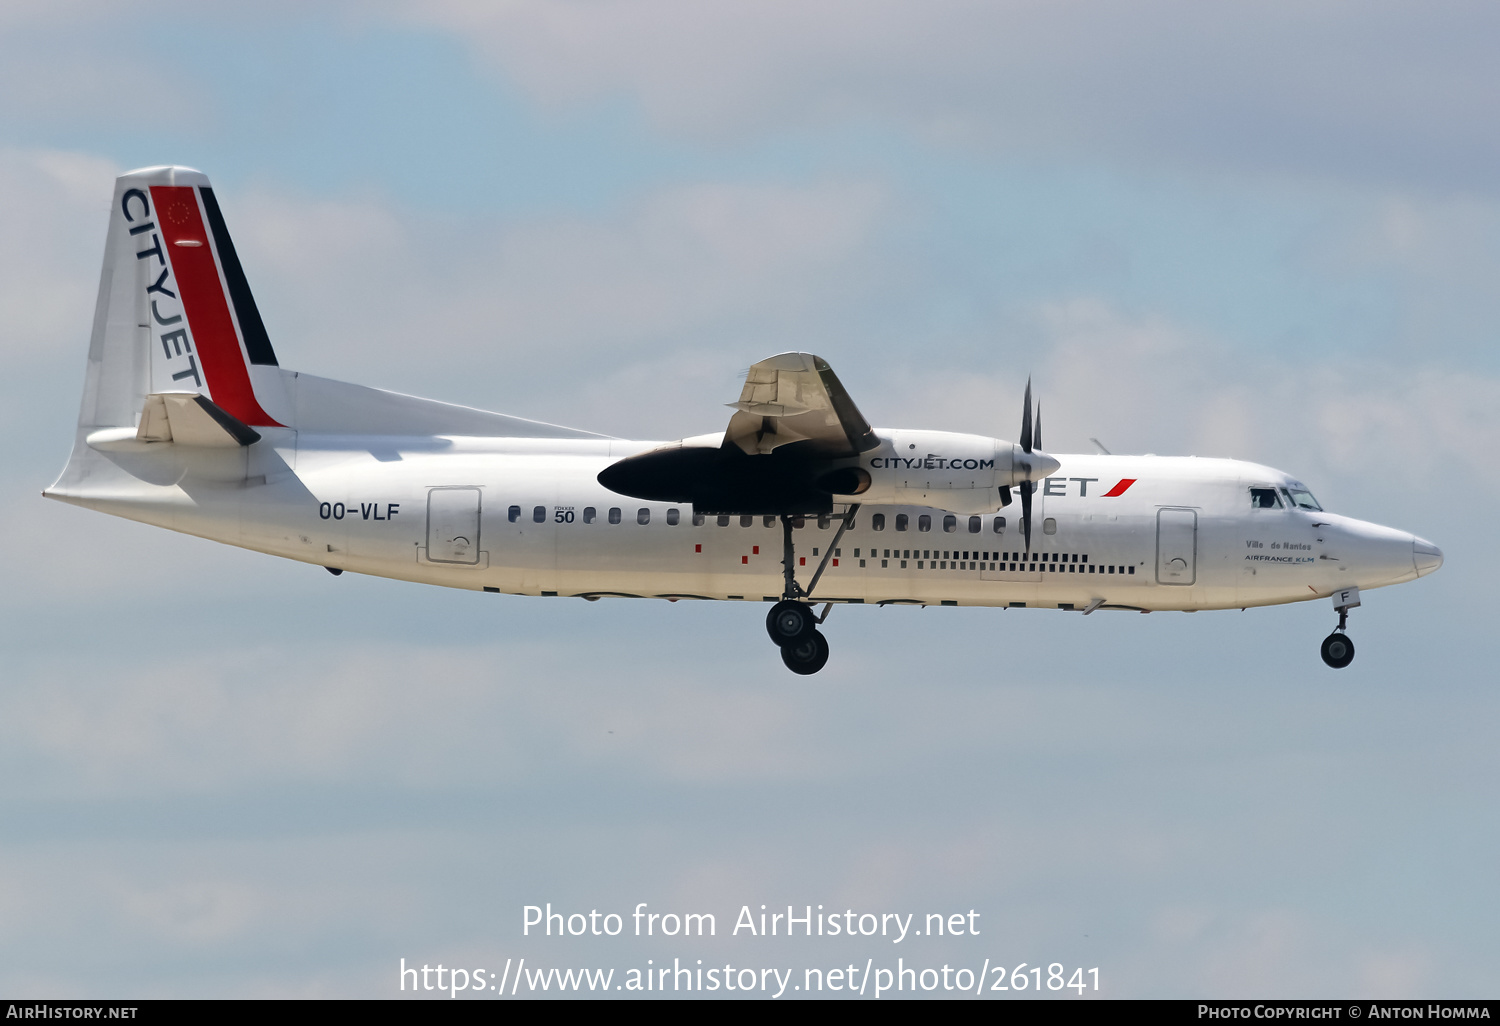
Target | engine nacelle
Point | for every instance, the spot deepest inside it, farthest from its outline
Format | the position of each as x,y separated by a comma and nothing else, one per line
941,469
955,472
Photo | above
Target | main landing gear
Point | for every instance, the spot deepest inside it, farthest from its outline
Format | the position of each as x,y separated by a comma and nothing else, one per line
807,653
791,623
1338,650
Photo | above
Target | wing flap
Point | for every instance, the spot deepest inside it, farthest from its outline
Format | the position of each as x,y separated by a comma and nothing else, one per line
796,397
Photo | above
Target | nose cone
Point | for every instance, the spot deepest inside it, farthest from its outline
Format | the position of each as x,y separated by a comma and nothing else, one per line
1375,555
1427,556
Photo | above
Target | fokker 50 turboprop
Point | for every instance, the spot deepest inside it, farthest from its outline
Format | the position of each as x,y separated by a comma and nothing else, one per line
189,423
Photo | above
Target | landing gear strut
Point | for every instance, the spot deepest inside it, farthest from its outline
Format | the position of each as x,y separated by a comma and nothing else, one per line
1338,650
791,623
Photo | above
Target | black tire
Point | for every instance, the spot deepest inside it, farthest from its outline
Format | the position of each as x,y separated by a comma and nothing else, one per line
1338,650
790,622
806,656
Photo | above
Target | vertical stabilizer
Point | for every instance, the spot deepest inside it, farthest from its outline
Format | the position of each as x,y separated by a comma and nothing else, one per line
175,313
182,381
175,330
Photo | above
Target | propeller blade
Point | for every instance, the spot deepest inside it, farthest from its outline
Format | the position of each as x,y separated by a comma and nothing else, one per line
1037,436
1004,496
1026,487
1026,419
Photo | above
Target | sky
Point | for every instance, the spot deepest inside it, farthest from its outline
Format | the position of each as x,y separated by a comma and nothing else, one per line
1265,231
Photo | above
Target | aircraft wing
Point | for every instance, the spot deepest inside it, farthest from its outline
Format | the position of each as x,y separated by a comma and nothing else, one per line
793,397
796,397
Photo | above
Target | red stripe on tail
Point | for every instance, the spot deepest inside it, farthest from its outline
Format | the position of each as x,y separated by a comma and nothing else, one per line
191,252
1119,489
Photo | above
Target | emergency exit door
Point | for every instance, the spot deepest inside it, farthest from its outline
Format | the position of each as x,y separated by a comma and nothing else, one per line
453,525
1176,546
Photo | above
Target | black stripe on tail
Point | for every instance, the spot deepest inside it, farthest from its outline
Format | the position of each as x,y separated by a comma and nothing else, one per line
252,328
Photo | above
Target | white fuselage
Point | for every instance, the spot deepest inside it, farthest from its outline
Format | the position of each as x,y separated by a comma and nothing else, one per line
527,516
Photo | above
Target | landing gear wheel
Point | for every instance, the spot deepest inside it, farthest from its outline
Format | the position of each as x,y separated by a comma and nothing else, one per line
806,656
791,622
1338,650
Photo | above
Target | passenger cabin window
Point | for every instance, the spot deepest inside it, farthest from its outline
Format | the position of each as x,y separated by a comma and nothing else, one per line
514,514
673,516
643,516
975,524
901,521
924,522
614,514
877,522
698,519
950,523
747,520
822,521
1264,498
999,525
769,521
539,514
590,514
723,519
1303,499
1049,526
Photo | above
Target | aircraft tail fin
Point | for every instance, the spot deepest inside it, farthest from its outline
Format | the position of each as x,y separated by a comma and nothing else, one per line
179,353
175,313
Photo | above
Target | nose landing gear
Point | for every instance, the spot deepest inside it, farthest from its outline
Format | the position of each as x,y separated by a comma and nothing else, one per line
1338,650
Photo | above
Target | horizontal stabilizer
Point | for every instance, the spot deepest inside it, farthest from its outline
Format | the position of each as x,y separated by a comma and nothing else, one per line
188,418
182,418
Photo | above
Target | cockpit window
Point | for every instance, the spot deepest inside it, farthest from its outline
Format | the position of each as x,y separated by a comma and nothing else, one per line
1264,498
1303,499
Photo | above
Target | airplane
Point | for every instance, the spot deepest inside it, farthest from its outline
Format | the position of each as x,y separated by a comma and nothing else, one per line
189,422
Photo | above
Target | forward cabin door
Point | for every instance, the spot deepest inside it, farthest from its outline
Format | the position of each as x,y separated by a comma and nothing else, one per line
453,525
1176,546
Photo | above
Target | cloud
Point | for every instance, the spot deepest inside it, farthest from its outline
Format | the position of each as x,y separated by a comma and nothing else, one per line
58,211
640,320
1365,91
22,13
1176,391
365,289
1146,383
69,64
406,714
1434,258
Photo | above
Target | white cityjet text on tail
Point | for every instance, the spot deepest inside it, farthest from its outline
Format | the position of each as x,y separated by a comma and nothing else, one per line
189,423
